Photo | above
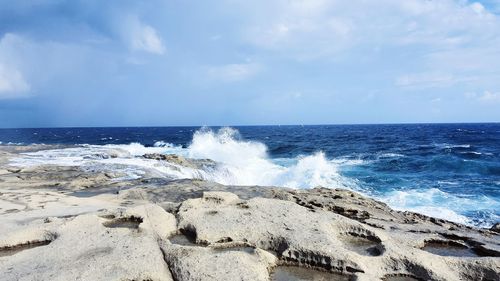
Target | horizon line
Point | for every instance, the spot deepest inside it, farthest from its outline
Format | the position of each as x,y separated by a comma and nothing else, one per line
255,125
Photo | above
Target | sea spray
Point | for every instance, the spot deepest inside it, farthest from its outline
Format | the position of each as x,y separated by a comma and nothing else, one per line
244,162
445,176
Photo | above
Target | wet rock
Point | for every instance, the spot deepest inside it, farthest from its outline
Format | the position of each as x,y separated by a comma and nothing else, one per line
14,170
181,161
496,227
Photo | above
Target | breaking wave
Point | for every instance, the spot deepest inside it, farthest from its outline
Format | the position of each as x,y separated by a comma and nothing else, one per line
245,162
239,162
436,203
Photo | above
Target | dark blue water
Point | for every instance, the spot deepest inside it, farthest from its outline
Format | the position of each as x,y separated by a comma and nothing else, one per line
410,166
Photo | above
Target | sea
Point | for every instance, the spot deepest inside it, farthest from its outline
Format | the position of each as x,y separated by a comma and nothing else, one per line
450,171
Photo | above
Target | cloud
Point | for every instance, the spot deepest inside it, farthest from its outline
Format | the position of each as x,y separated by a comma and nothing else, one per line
232,72
487,97
490,97
12,83
332,30
89,22
301,29
28,65
424,79
143,37
92,56
430,80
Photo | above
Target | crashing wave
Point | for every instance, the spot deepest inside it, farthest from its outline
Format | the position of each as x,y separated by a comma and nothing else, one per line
236,161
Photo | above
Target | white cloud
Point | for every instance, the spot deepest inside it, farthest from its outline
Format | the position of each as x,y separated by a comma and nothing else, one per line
489,97
430,80
302,29
319,29
470,95
424,79
232,72
478,8
143,37
12,83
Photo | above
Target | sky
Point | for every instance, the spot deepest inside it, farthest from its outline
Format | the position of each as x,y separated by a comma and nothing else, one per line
232,62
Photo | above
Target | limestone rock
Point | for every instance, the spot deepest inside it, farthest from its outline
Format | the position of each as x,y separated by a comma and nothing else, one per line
89,247
322,239
72,223
181,161
199,263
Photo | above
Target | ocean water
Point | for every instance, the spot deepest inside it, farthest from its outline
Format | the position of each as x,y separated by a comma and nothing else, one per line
451,171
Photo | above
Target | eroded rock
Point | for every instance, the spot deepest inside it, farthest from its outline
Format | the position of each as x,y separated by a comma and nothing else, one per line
199,263
322,239
78,219
85,249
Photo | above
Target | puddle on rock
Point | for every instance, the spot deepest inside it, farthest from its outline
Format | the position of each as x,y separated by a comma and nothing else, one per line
130,222
181,239
295,273
452,249
9,251
361,245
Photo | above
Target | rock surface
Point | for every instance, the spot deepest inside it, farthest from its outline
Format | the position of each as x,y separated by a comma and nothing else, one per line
86,248
181,161
65,223
206,263
496,227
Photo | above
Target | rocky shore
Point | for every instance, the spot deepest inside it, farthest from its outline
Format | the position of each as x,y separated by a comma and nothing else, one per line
69,223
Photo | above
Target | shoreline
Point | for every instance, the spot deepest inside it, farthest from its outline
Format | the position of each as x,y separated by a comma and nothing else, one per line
164,160
159,229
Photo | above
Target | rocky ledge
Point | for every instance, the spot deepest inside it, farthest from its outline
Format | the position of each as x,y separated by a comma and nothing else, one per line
62,223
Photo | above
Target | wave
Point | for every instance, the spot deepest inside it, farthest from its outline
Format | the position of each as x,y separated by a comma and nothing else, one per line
390,155
436,203
245,162
456,146
239,162
14,143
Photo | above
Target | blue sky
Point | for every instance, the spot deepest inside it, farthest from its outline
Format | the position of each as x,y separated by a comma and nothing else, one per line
231,62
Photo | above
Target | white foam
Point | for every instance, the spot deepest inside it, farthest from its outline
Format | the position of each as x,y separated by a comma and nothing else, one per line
122,158
240,162
162,144
448,146
390,155
448,182
436,203
244,162
471,152
247,163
